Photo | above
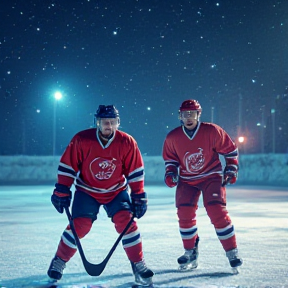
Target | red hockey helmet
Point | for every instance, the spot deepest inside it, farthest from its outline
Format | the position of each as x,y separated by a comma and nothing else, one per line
188,105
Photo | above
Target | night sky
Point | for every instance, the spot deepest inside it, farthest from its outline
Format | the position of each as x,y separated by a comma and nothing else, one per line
146,58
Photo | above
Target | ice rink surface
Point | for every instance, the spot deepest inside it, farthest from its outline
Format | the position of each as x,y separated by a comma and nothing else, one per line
31,229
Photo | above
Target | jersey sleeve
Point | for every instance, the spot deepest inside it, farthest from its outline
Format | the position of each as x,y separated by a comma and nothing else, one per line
170,156
134,167
70,162
226,147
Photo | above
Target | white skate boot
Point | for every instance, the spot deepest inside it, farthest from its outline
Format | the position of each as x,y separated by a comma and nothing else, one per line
234,260
143,275
190,258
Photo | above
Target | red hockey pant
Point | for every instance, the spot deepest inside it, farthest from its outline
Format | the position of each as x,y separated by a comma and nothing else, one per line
214,200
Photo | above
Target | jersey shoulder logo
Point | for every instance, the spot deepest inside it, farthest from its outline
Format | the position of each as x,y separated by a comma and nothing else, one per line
102,169
194,162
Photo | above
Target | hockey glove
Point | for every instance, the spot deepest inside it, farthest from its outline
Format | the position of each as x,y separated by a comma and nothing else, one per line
171,179
61,197
230,174
139,204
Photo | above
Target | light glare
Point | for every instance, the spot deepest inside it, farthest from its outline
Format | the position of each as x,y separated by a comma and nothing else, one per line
58,95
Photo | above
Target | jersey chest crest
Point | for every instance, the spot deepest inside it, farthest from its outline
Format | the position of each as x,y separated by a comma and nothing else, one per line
194,162
102,169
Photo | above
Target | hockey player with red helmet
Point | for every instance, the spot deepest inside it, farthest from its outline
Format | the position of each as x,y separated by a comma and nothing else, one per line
191,154
103,162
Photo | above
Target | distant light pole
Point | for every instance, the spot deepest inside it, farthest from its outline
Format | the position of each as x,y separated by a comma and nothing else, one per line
273,129
57,97
212,114
240,113
262,128
239,128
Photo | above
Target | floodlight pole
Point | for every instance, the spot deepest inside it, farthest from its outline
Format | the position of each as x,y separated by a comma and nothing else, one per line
57,97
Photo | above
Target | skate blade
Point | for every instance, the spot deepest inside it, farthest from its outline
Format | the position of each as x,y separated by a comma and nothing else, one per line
142,286
145,283
235,270
190,266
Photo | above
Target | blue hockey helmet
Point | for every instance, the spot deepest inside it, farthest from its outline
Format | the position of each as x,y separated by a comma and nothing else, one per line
106,111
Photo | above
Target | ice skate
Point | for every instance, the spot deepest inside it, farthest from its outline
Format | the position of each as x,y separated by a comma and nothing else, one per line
56,268
143,275
234,260
189,260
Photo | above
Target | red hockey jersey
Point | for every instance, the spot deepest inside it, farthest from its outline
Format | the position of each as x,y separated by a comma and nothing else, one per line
102,171
197,157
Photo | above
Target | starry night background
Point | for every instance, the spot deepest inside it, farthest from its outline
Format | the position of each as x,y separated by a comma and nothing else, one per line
146,58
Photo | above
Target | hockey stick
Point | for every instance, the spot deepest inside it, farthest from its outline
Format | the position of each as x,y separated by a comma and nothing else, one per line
94,269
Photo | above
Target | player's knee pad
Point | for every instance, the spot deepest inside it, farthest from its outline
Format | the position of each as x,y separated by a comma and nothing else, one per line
218,214
121,220
82,226
186,214
214,193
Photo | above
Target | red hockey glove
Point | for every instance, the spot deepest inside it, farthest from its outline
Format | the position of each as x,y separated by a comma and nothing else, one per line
230,174
61,197
139,204
171,179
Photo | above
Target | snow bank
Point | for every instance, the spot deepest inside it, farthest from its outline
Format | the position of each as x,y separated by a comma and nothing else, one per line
256,169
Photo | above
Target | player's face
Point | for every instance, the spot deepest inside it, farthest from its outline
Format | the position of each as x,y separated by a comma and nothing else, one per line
189,119
108,126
